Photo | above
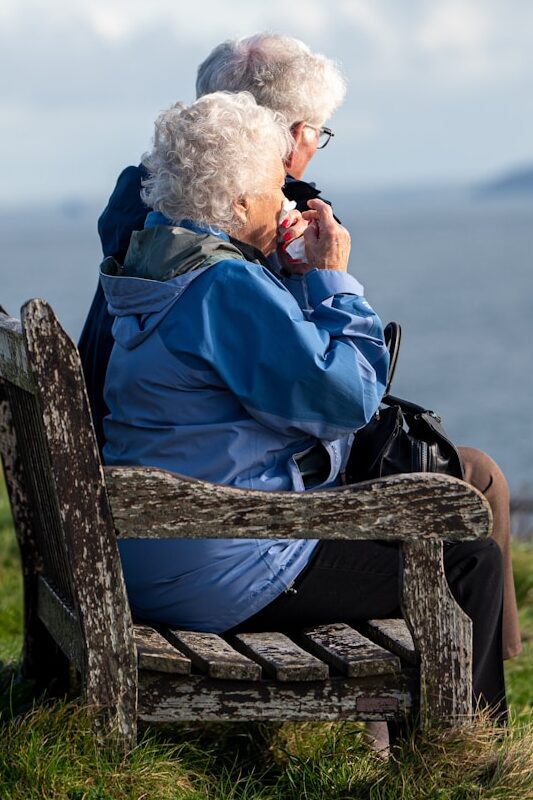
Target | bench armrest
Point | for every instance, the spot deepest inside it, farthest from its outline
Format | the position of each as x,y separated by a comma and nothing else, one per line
150,503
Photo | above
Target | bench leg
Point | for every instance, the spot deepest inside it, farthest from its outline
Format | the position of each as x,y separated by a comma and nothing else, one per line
114,717
442,633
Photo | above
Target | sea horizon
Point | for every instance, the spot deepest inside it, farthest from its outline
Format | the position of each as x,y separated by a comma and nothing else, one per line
452,267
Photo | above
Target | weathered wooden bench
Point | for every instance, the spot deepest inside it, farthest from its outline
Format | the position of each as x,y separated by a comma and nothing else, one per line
68,512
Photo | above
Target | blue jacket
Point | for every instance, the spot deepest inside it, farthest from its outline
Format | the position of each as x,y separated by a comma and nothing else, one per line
218,373
124,214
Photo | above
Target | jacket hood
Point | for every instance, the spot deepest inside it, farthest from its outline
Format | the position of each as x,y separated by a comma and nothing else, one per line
160,264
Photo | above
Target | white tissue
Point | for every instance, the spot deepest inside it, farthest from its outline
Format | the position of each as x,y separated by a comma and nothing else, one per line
296,249
288,205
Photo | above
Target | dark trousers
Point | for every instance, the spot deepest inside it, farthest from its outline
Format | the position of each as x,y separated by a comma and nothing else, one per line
349,581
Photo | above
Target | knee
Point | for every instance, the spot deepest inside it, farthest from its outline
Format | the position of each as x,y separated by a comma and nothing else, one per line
491,556
482,472
481,560
490,566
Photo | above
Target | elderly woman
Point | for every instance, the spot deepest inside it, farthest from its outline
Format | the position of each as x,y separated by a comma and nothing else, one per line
219,372
282,74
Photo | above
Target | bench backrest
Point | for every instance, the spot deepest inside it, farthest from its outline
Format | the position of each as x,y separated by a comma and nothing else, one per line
56,486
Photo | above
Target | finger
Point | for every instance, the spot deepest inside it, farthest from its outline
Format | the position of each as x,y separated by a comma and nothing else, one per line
310,215
290,219
311,232
317,203
295,232
323,210
298,228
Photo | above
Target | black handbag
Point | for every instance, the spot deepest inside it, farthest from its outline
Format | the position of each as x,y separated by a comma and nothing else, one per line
402,436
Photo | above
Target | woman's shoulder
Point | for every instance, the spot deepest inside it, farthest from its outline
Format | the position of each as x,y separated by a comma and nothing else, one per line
249,275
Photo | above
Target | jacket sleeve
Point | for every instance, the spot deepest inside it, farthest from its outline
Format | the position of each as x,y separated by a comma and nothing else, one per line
321,373
125,212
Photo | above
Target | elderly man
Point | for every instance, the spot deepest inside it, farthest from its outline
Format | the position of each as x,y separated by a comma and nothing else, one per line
283,75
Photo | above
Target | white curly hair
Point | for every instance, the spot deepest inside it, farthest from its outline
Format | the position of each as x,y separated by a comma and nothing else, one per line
211,153
281,73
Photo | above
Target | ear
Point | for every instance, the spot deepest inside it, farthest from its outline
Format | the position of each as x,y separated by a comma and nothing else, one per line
241,207
297,131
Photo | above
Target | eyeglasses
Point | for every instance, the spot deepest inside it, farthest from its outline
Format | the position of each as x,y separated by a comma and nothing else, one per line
324,135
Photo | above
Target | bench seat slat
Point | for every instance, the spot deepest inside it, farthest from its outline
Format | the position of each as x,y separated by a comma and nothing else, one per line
281,658
349,651
212,655
155,653
395,636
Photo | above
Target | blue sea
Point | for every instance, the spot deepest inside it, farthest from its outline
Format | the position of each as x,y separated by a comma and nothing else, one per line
454,269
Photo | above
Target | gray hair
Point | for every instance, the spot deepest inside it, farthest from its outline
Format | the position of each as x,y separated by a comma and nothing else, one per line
211,153
281,73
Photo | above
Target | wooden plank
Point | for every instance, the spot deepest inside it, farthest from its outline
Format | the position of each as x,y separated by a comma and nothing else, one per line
155,653
212,655
280,657
42,659
62,623
14,365
169,698
394,635
348,650
442,634
110,675
154,503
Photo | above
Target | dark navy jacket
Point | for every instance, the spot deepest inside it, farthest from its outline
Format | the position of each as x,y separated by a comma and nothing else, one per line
125,213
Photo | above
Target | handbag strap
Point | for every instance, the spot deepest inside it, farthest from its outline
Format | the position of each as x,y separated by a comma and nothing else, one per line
393,338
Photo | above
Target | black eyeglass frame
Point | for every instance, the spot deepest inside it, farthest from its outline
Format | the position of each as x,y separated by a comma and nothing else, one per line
323,131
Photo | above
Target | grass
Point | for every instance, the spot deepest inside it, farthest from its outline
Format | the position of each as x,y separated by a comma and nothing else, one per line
47,751
519,671
10,584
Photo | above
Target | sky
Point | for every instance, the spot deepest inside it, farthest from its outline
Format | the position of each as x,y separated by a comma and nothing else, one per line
439,91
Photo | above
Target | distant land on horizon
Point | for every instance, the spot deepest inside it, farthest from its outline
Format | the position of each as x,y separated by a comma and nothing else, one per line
518,181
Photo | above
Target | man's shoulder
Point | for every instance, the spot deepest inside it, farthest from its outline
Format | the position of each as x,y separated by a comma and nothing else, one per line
125,212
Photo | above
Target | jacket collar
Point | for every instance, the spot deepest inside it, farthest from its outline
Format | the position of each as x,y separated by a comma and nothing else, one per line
249,252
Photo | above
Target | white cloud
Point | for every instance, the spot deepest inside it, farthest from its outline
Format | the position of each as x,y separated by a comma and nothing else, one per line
82,80
387,42
118,20
371,21
455,26
468,43
110,23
